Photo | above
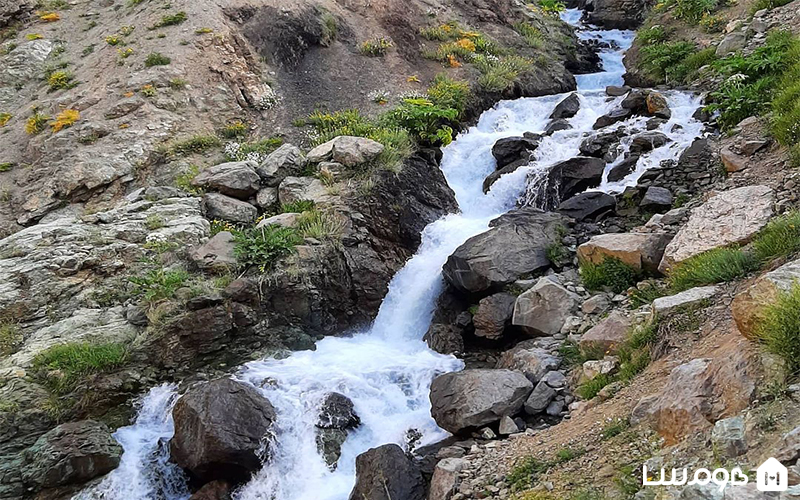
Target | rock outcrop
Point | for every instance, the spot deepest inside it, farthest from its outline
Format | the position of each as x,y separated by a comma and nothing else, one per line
220,428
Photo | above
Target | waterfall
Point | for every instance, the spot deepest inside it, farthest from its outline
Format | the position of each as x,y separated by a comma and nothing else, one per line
386,370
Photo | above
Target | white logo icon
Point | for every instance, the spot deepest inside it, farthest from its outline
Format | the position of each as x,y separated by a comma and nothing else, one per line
772,476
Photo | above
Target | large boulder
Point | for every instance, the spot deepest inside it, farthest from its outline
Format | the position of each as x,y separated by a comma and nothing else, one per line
544,308
532,361
510,149
572,177
617,14
656,199
567,108
642,251
648,141
294,189
473,398
601,145
515,245
286,161
386,473
608,335
730,217
588,205
700,392
216,254
493,314
347,150
238,179
749,304
219,430
612,117
336,416
71,453
219,206
658,106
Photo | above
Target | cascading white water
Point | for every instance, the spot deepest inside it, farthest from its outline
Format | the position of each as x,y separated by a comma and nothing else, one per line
387,369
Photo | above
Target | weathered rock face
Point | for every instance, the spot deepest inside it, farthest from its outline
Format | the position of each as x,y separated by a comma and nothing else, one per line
216,254
219,428
386,473
215,490
493,313
656,199
608,335
729,437
642,251
510,149
623,168
699,393
473,398
336,417
617,14
532,361
515,245
237,179
71,453
294,189
219,206
747,306
347,150
544,308
730,217
11,10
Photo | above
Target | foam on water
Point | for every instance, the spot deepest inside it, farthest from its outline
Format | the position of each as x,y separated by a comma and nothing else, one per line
387,369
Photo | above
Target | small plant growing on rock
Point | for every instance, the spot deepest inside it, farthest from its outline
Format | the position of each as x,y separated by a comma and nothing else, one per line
5,118
159,284
184,181
499,73
48,17
60,80
36,123
320,225
430,123
203,31
6,166
177,84
330,28
113,40
125,53
10,338
197,144
448,93
533,36
552,7
156,59
263,246
376,47
65,119
63,366
297,207
33,36
611,273
148,91
171,20
235,129
153,222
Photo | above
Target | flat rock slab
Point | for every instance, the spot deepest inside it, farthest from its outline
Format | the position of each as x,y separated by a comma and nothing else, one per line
730,217
666,305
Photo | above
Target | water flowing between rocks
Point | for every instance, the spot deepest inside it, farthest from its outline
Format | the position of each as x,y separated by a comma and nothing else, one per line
387,369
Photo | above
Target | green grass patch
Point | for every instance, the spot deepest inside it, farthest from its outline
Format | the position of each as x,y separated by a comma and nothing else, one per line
768,4
500,72
298,207
447,93
197,144
10,338
611,273
319,224
171,20
779,328
781,238
614,428
156,59
159,284
264,246
63,366
592,387
532,35
715,266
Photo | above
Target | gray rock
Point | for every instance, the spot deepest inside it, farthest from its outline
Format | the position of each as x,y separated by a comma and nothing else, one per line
572,177
588,205
238,179
337,412
474,398
288,219
608,335
71,453
158,193
555,408
531,361
386,473
267,197
493,314
543,309
557,125
446,478
294,189
656,198
623,168
617,91
731,43
614,116
788,450
347,150
124,107
647,141
510,149
286,161
567,108
665,305
515,245
554,379
216,254
329,444
507,426
219,430
596,304
219,206
617,14
729,437
539,399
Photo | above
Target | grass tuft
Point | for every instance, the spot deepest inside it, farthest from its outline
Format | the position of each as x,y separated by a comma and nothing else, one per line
611,272
63,366
156,59
779,328
715,266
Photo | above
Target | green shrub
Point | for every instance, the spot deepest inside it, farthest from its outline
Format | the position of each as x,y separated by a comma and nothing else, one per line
686,70
694,10
786,106
320,225
715,266
59,80
184,180
499,73
652,35
533,36
646,293
171,20
63,366
781,238
427,121
447,93
552,7
298,207
197,144
10,338
262,247
330,28
5,118
591,388
156,59
376,47
768,4
611,273
779,328
441,32
158,284
659,60
36,123
234,129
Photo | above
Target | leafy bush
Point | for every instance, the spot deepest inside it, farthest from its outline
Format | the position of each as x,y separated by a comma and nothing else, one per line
262,247
611,273
156,59
62,366
779,328
651,35
171,20
159,284
425,120
715,266
65,119
552,7
234,129
441,32
376,47
686,70
658,60
448,93
195,145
